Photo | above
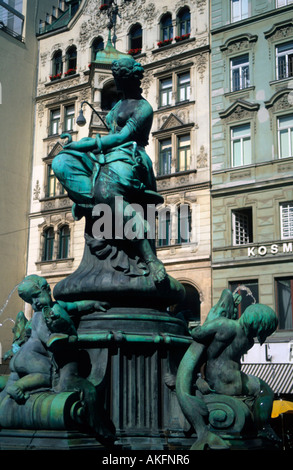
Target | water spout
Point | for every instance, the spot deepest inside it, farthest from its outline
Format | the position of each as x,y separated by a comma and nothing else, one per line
8,298
247,290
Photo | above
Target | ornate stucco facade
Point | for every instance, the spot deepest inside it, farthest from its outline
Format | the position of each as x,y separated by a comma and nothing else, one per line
176,83
18,74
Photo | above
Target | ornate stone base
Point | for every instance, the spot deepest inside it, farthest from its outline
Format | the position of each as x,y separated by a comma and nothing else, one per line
135,355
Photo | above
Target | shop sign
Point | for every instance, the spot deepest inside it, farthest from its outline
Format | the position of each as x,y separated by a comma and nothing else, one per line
272,250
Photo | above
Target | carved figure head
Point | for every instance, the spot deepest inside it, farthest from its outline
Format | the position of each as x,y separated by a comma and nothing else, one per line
127,73
36,291
259,321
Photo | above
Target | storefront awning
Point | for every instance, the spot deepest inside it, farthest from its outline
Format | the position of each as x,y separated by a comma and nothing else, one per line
278,376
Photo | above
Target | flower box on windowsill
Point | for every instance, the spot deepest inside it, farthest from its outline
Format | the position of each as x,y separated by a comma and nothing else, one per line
55,77
134,51
70,72
166,42
182,38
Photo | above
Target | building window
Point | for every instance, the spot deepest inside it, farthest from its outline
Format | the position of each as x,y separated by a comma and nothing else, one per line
241,145
183,224
166,27
51,189
242,226
69,117
284,290
109,96
184,87
239,72
64,239
54,121
284,58
239,10
286,214
135,39
183,22
57,65
164,227
71,60
282,3
97,46
48,247
166,92
183,149
248,291
285,136
11,17
165,156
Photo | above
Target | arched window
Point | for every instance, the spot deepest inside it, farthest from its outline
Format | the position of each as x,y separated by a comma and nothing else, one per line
64,239
48,247
71,60
183,22
135,39
57,66
97,45
166,27
189,309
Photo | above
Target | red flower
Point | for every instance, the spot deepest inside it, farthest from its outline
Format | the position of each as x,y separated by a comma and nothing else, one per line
134,51
70,72
165,42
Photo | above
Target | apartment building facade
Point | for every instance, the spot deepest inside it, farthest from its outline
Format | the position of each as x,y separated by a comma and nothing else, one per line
252,169
171,41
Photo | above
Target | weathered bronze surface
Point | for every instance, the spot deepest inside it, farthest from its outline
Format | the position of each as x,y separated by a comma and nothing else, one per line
226,403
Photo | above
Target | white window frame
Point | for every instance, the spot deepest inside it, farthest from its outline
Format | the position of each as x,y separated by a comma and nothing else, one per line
286,53
242,14
166,91
55,121
69,117
165,167
286,216
241,139
244,82
290,137
183,86
241,227
283,3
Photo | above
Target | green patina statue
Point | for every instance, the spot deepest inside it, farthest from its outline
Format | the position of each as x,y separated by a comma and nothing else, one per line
103,170
46,357
215,353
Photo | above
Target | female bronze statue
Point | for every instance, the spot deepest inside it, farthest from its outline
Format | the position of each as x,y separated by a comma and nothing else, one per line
101,169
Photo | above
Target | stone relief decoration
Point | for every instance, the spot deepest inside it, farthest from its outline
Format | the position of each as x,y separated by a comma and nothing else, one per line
238,43
201,5
53,150
279,32
146,82
202,158
40,111
37,191
44,56
201,65
281,100
85,94
239,110
139,9
170,121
